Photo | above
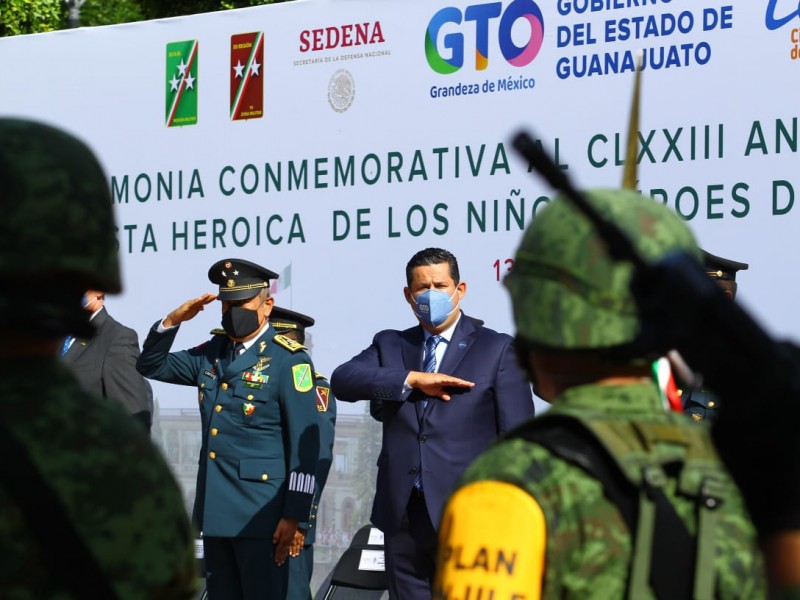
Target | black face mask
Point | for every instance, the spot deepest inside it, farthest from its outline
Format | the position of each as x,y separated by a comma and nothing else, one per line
239,322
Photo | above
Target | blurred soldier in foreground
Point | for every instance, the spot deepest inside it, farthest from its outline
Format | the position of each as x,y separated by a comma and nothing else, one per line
293,325
260,432
700,403
88,507
607,495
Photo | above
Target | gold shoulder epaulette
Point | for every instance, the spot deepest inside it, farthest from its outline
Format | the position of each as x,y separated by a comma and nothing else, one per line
218,331
288,343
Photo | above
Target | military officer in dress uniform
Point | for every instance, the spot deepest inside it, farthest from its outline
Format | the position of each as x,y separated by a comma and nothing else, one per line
260,432
301,564
700,403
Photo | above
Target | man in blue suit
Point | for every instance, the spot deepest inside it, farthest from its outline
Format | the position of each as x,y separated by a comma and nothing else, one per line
445,390
260,433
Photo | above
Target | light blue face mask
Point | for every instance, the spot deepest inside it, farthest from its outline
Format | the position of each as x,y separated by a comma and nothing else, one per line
433,306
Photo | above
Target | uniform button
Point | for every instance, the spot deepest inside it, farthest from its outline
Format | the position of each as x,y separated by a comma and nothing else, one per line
264,477
202,385
214,431
423,438
212,455
218,408
224,386
250,397
413,470
711,404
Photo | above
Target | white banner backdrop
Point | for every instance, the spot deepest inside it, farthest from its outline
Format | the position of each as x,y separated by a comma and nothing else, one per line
329,141
384,128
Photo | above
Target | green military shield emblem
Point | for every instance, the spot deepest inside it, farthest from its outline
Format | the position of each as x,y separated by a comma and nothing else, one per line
302,377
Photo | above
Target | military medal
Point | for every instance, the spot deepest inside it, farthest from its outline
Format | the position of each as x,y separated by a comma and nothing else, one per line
254,379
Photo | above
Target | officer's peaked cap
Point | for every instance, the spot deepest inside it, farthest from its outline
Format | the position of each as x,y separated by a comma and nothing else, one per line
239,279
283,320
722,268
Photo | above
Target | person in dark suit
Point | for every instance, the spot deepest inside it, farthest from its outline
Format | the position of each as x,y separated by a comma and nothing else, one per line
106,363
260,431
301,564
447,388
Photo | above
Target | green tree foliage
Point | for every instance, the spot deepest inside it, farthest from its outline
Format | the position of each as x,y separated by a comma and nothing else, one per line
34,16
105,12
30,16
157,9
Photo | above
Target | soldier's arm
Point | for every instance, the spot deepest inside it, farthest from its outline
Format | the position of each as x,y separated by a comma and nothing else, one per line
157,362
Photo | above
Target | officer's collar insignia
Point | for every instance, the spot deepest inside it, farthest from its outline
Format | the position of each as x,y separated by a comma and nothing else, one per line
261,345
288,343
323,398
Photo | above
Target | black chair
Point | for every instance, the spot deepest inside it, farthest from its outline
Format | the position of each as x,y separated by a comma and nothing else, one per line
370,583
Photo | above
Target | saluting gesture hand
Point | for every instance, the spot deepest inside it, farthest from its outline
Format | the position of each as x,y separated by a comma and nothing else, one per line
188,310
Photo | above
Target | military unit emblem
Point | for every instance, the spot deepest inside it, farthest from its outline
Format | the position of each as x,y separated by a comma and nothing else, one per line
302,377
323,398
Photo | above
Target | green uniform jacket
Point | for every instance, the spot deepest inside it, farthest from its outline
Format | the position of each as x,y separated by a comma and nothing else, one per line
588,546
301,567
112,481
260,433
326,411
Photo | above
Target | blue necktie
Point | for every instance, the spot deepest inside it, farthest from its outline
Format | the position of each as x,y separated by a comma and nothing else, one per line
430,353
429,366
67,343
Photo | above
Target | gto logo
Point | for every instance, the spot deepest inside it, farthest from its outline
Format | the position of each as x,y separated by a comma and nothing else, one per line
344,36
772,22
445,32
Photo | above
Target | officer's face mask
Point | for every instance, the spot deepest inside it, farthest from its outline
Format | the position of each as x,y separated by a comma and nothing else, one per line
240,322
433,307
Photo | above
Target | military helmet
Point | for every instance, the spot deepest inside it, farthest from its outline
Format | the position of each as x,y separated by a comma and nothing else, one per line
57,221
566,290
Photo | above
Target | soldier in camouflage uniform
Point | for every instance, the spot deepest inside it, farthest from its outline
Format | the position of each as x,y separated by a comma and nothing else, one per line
591,524
88,507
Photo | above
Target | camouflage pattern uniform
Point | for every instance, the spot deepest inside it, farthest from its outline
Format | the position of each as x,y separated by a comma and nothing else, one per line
559,535
112,480
113,485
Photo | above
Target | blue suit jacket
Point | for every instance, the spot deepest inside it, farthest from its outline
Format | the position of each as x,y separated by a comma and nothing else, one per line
444,438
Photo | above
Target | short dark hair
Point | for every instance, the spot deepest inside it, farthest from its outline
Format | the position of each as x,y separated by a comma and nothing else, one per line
432,256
